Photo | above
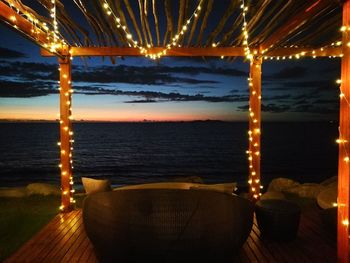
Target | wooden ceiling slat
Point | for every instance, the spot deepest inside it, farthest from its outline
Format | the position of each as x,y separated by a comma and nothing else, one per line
133,20
117,9
229,11
154,10
169,21
204,21
269,19
294,22
236,25
319,30
145,17
180,19
24,26
193,27
143,26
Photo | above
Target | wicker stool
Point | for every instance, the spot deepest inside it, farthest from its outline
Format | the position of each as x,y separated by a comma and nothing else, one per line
278,219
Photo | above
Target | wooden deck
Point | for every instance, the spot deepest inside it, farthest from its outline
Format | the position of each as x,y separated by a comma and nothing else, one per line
64,240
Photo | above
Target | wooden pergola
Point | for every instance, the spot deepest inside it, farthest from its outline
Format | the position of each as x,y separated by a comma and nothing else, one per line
277,29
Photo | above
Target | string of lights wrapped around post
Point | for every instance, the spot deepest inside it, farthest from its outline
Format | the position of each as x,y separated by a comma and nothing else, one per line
66,133
65,121
254,82
146,50
343,141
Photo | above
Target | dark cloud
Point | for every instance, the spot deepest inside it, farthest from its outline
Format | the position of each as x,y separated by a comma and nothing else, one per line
278,97
326,101
318,85
235,91
15,89
155,75
273,108
311,108
288,73
151,96
6,53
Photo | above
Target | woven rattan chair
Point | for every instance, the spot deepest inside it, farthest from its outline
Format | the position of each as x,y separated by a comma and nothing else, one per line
167,225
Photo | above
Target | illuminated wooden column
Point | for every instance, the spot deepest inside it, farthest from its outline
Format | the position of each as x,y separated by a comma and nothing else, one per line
254,127
66,134
344,144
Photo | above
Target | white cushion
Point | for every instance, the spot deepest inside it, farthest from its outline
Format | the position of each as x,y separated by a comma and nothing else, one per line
96,185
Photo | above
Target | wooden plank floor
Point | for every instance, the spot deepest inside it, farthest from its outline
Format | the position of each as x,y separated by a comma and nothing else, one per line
64,240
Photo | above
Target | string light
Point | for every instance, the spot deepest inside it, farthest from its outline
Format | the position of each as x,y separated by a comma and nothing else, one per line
146,51
66,127
54,40
247,52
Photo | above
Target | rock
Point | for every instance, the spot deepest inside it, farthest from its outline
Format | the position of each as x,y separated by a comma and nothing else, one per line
328,197
273,195
189,179
308,190
281,184
329,181
43,189
13,192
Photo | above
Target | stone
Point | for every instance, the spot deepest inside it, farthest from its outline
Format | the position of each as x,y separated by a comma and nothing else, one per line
328,197
43,189
329,181
273,195
13,192
281,184
308,190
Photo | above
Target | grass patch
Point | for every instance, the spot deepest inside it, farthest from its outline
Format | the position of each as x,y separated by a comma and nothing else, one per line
21,218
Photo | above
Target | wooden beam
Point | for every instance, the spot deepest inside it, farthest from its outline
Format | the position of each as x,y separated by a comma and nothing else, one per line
307,52
25,27
205,51
174,52
66,133
344,146
293,24
254,127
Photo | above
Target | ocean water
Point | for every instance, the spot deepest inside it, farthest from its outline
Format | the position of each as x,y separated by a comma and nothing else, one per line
131,153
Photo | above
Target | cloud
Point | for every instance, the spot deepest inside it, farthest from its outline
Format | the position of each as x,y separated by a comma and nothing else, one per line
288,73
273,108
326,101
310,108
156,75
6,53
152,96
278,97
318,85
16,89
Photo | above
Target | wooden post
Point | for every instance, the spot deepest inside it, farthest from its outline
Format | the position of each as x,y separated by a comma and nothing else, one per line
344,144
66,133
254,127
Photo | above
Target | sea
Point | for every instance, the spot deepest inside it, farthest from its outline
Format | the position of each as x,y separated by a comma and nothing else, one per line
133,153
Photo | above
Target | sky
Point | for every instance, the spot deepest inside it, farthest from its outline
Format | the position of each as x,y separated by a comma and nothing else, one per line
171,89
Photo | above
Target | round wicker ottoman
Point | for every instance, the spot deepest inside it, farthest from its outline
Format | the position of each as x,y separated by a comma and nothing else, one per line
278,219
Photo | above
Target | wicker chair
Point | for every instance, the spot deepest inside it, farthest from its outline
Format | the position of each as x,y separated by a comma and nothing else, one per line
167,225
